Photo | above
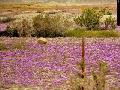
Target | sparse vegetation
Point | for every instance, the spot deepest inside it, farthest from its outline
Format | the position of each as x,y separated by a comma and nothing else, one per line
2,46
19,45
96,33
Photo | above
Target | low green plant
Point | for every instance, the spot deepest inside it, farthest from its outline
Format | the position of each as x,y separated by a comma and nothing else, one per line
100,77
19,45
86,33
3,46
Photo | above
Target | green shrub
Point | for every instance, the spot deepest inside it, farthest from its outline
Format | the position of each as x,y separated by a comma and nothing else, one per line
47,25
89,18
110,23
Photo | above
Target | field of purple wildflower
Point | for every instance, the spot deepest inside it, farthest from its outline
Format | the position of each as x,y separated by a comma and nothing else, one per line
26,63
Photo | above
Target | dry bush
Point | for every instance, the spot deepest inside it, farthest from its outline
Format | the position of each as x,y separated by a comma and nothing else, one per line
47,25
21,28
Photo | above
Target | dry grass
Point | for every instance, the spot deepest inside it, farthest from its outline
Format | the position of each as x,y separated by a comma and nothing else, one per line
15,8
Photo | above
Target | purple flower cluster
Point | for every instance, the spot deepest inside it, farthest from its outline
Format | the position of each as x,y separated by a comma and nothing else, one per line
2,27
118,28
52,64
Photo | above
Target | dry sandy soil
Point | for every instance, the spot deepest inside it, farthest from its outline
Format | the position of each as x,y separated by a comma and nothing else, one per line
14,9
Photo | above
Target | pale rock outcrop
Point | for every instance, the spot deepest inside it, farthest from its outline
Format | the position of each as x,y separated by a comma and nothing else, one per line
42,40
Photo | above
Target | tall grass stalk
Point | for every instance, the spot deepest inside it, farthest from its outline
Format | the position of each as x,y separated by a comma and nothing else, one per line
82,63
